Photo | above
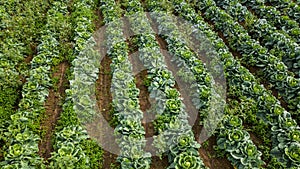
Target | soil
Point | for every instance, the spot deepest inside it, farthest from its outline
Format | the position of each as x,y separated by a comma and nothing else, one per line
53,110
256,140
207,152
28,59
156,162
103,85
145,105
140,74
104,100
209,156
99,21
101,129
252,69
1,151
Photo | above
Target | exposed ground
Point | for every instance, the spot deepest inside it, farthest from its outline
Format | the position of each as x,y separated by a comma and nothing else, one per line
208,154
53,110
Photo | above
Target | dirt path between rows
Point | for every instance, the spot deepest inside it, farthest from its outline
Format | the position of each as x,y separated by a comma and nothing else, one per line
53,110
207,153
104,99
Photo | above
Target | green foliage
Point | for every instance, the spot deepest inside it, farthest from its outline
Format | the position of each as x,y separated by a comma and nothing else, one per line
288,21
237,142
174,132
187,161
70,152
126,110
25,122
274,70
72,146
24,25
279,43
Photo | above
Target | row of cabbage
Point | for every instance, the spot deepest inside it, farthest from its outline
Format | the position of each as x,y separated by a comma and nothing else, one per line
235,140
15,46
274,70
288,8
274,17
293,130
175,137
72,145
244,85
11,55
23,135
191,69
129,130
231,137
278,43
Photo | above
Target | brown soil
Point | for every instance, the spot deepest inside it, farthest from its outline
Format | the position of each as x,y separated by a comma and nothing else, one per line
104,133
207,153
145,106
103,85
158,163
53,110
98,22
209,156
100,128
253,70
1,154
256,140
28,59
104,100
140,73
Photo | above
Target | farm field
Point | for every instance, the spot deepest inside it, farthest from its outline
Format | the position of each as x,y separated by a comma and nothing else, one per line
148,84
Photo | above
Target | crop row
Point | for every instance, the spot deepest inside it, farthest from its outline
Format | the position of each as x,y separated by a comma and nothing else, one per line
288,8
175,136
274,17
254,54
72,145
193,69
11,55
22,146
269,108
130,132
234,137
278,43
17,33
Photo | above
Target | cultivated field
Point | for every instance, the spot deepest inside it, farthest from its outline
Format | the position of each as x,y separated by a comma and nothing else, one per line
150,84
